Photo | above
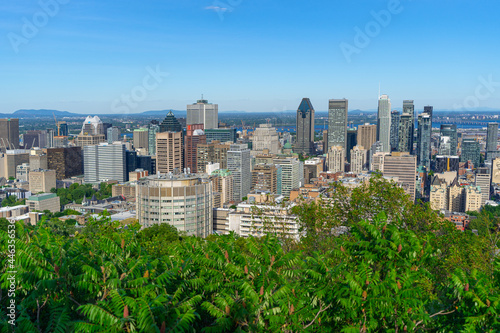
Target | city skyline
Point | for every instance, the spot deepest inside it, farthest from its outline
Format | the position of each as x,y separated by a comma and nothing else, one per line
85,56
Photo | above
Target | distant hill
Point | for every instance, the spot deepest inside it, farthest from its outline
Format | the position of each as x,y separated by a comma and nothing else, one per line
42,113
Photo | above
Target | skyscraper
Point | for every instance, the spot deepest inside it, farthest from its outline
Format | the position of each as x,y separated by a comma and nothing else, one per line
384,122
305,128
105,162
407,127
451,144
336,157
352,141
169,152
154,127
170,124
213,152
141,138
204,113
471,151
238,162
265,137
483,181
404,167
292,174
358,159
113,134
367,135
9,133
395,119
194,136
492,142
424,137
337,122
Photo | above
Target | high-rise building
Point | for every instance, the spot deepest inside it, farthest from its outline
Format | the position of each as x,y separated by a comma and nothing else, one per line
446,163
395,119
63,128
473,199
221,135
153,129
92,126
141,138
292,174
367,135
170,124
336,158
495,171
404,167
424,138
105,127
113,134
223,183
184,201
50,138
264,178
377,161
169,152
238,162
471,151
9,133
42,180
352,141
337,122
483,181
105,162
492,142
407,127
67,161
449,131
214,152
10,160
204,113
265,137
305,128
194,137
358,159
325,141
384,122
38,159
37,138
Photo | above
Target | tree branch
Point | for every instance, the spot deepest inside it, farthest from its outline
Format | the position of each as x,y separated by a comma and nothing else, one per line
317,315
440,313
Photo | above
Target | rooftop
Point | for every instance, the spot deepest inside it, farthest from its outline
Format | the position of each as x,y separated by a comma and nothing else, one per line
43,196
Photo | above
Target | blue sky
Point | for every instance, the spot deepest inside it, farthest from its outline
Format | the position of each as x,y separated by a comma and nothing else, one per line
259,55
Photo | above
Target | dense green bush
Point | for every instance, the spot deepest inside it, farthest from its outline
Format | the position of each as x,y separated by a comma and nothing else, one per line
401,276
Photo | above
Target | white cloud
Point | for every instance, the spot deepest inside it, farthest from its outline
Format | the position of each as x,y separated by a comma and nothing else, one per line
217,8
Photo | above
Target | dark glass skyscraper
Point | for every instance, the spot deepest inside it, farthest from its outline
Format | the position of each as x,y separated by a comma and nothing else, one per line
395,119
170,124
424,137
407,127
305,128
492,141
471,151
337,122
352,141
450,131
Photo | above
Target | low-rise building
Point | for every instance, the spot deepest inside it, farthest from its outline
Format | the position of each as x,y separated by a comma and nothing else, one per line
45,201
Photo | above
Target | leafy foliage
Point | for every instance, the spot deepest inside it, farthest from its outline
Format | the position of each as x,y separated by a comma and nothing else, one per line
390,272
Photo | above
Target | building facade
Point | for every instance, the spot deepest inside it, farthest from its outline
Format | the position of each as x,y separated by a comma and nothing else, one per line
424,138
169,152
9,133
183,201
204,113
407,127
337,123
238,162
384,122
305,128
105,162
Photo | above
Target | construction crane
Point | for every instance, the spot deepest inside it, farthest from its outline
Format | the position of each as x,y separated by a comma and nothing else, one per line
58,125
